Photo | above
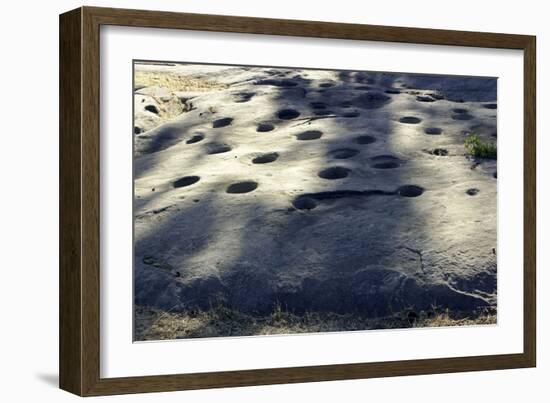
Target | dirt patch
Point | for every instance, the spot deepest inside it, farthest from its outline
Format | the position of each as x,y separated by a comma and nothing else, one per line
174,82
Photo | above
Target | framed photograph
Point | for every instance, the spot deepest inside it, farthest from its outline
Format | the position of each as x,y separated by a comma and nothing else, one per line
249,201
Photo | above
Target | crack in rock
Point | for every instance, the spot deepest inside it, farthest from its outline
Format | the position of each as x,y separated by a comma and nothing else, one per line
419,253
404,191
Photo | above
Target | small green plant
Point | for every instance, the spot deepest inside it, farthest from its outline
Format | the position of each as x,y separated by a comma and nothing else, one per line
478,148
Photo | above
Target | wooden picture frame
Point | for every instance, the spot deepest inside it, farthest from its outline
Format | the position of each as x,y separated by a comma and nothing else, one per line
79,201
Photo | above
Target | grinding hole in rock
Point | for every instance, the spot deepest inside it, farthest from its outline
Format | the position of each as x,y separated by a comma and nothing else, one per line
309,135
490,106
410,120
472,192
185,181
217,148
195,139
366,139
334,173
287,114
265,158
410,191
343,153
265,127
304,203
221,122
242,187
433,131
152,109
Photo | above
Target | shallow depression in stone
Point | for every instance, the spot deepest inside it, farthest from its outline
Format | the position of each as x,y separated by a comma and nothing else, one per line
242,187
217,148
195,139
265,158
304,203
265,127
410,120
222,122
309,135
287,114
185,181
343,153
410,191
366,139
433,131
334,173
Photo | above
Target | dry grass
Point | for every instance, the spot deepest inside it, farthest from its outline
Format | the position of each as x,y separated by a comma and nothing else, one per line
171,106
220,321
174,82
443,319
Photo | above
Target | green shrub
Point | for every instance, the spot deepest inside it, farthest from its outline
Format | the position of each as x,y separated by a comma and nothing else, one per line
477,148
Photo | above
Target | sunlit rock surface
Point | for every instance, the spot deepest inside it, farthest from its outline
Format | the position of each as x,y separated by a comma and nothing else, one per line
314,190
